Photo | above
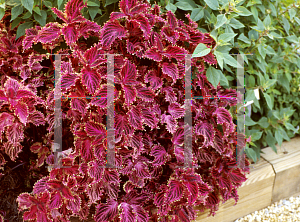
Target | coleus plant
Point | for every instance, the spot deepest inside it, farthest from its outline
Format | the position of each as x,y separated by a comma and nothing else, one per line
149,66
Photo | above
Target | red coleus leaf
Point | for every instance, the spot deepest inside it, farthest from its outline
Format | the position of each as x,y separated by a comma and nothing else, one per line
3,96
122,125
12,149
55,201
175,52
153,79
141,170
172,21
60,14
86,151
41,186
134,117
236,176
148,117
21,110
29,38
178,137
176,110
145,93
49,33
144,24
68,80
154,53
70,33
172,124
87,26
74,204
94,192
159,153
31,214
130,94
175,191
127,214
91,79
207,131
94,129
111,31
141,214
170,95
37,118
170,35
223,116
110,176
79,104
73,8
106,212
6,119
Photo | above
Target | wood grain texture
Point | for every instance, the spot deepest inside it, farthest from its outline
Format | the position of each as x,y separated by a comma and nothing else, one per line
286,167
255,194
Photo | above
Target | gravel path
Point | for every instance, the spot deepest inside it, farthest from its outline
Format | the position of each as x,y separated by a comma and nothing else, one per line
287,210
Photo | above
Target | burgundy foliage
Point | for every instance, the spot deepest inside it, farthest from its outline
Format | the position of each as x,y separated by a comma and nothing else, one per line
149,116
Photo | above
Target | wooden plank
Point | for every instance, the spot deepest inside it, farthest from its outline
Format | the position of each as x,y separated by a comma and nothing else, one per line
286,165
255,194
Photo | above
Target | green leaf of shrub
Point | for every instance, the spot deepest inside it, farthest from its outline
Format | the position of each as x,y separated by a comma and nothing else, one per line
21,29
286,25
16,11
41,19
213,4
226,37
200,50
93,11
197,14
28,4
213,76
2,13
263,122
243,11
109,2
221,20
37,10
220,58
271,141
15,22
269,100
90,3
171,7
249,121
184,5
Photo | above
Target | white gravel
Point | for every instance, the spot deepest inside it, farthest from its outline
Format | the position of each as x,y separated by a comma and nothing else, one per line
287,210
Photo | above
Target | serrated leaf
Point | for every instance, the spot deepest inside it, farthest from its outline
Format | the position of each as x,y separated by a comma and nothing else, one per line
16,11
221,20
22,27
213,76
213,4
201,50
28,4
